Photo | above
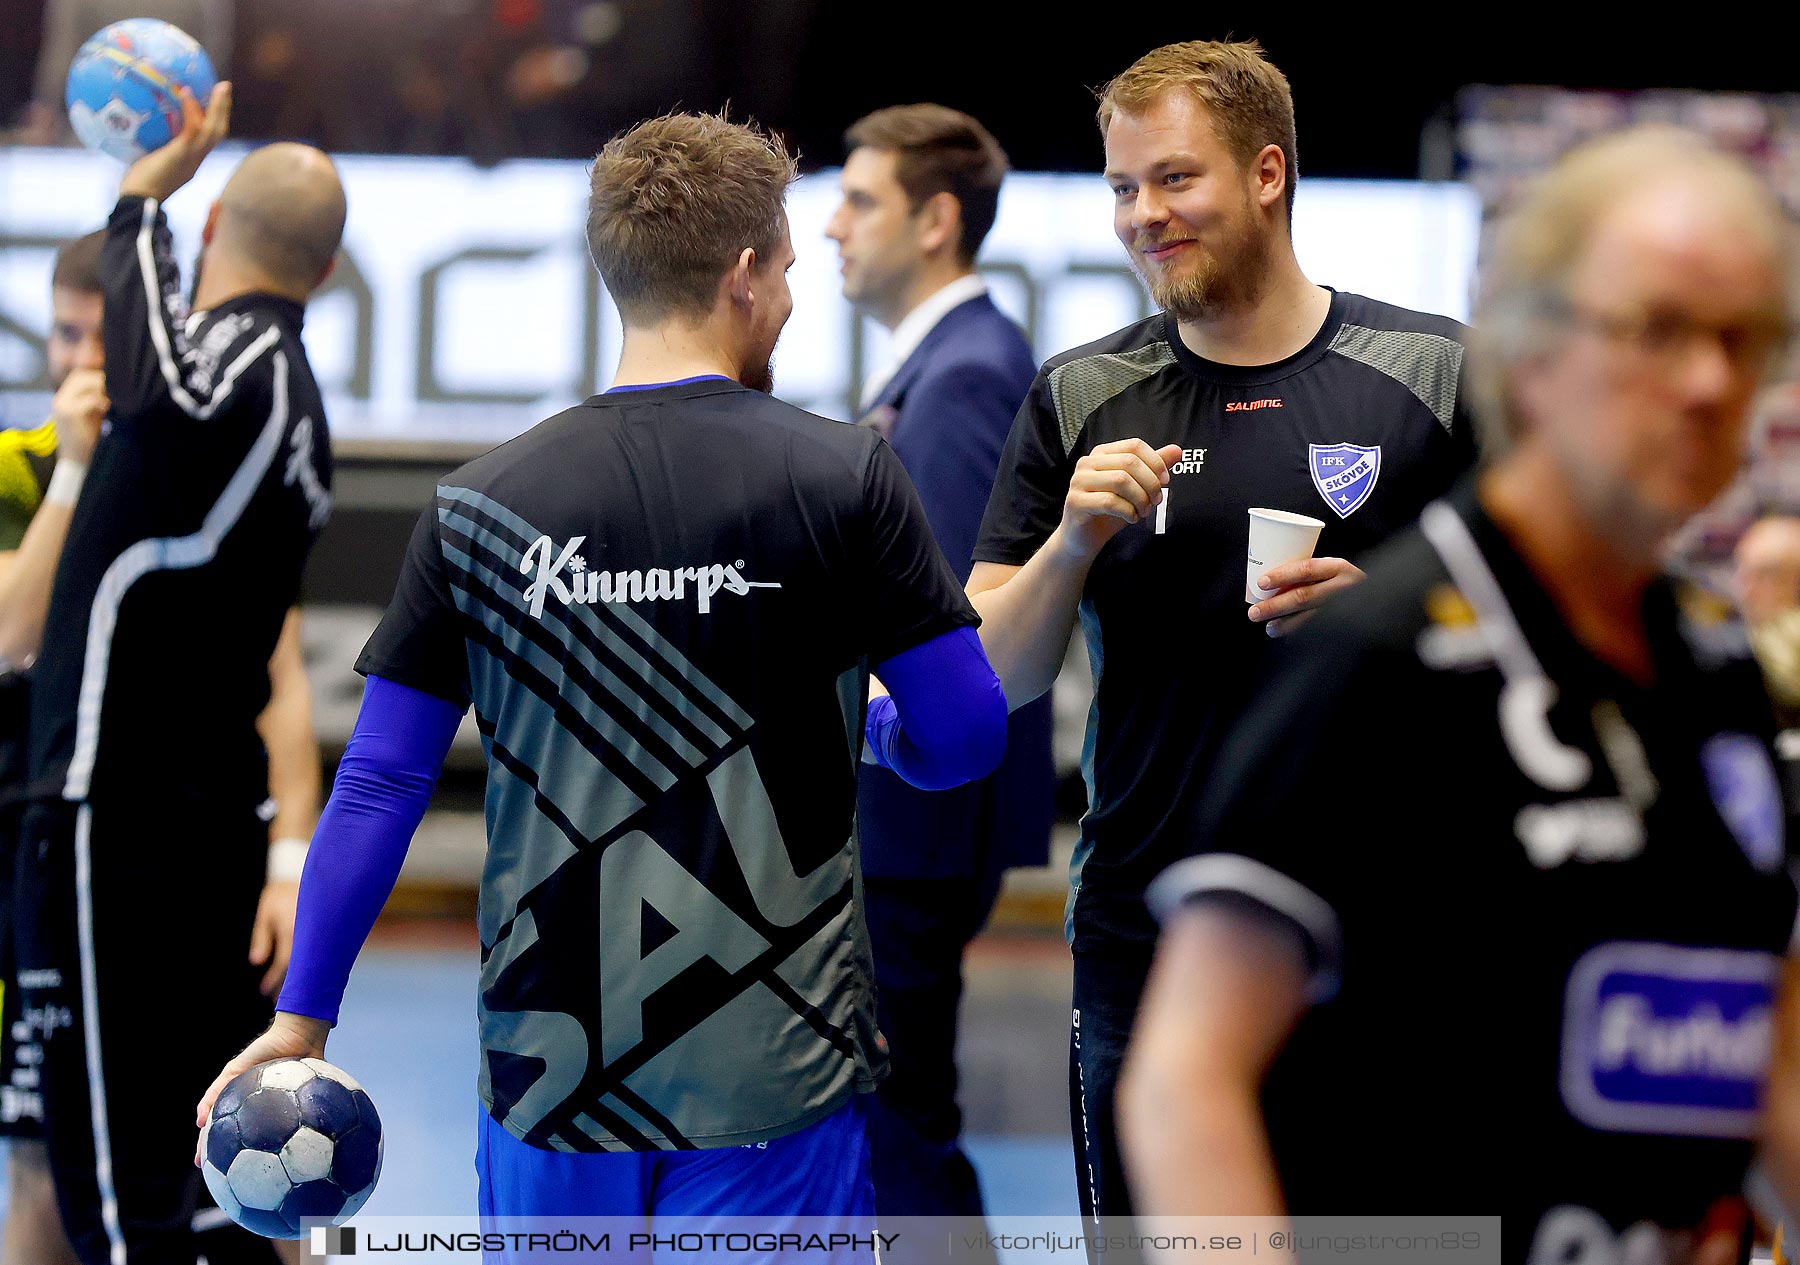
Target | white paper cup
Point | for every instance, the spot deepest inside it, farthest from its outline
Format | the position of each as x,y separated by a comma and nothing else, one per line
1277,536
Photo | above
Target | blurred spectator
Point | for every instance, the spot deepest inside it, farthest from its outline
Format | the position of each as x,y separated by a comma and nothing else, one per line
589,68
68,24
447,83
758,49
288,84
20,35
1768,568
329,71
484,79
1767,580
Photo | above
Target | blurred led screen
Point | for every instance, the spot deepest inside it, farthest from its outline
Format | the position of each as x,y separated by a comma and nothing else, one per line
465,309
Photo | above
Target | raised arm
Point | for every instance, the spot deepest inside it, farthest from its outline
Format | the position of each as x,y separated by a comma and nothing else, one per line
147,352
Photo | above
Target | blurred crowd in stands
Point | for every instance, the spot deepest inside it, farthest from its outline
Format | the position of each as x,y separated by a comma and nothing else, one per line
489,79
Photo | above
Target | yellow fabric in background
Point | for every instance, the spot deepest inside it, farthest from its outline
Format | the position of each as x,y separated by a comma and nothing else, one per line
22,478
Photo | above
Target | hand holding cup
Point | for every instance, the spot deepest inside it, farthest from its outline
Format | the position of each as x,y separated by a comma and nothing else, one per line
1282,579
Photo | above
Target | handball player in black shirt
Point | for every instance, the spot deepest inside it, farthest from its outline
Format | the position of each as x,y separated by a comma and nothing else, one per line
1125,487
182,560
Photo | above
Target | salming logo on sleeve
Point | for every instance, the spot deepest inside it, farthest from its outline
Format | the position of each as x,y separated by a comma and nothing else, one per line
205,358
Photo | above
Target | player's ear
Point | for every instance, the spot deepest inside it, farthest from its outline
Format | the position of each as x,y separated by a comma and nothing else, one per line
738,280
1270,171
940,220
212,223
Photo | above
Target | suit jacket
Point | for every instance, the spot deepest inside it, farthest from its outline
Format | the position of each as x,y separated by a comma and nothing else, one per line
947,411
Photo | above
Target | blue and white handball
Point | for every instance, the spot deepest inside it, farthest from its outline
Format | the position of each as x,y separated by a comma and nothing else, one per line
121,89
291,1139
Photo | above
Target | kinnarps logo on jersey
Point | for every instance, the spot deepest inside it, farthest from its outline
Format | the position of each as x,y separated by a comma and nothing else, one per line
1345,474
1664,1038
567,575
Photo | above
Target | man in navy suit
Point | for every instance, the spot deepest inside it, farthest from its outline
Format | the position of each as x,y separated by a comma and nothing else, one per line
920,190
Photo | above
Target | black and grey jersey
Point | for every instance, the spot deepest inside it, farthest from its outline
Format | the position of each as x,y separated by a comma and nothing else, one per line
1546,904
211,478
1360,428
662,605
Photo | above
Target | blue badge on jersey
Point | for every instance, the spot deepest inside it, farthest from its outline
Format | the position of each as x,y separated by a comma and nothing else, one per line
1345,474
1668,1039
1741,779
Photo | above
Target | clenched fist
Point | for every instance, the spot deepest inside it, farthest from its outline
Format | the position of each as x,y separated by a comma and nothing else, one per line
1114,486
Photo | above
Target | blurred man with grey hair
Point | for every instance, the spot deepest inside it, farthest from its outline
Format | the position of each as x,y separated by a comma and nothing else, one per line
1548,990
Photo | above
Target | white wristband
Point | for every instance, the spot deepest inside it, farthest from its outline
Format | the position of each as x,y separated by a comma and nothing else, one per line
65,482
287,858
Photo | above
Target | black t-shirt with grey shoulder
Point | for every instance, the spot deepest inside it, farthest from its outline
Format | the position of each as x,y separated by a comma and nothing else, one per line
662,605
1361,428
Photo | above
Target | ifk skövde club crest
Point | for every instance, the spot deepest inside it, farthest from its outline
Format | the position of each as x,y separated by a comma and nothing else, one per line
1345,474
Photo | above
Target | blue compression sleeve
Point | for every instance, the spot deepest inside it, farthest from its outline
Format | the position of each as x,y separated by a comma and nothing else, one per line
382,786
943,721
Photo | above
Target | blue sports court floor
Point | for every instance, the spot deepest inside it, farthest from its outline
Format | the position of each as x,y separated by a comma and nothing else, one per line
407,1032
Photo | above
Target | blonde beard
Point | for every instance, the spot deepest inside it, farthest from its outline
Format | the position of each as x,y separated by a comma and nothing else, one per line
1213,286
1190,297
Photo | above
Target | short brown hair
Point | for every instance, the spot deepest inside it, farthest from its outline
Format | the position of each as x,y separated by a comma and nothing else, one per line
673,203
1247,98
940,150
77,264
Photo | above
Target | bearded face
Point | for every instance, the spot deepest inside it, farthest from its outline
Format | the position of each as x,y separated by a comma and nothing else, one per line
1192,279
1185,209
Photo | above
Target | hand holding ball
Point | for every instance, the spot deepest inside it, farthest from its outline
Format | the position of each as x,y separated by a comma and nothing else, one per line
123,88
289,1139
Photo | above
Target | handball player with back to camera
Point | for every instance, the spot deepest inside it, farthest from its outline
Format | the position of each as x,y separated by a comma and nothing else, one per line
672,735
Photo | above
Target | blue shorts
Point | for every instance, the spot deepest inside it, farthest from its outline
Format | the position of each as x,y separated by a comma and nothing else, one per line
814,1180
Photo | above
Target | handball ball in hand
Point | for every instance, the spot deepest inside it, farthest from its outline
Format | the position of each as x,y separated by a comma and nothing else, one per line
290,1139
122,86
